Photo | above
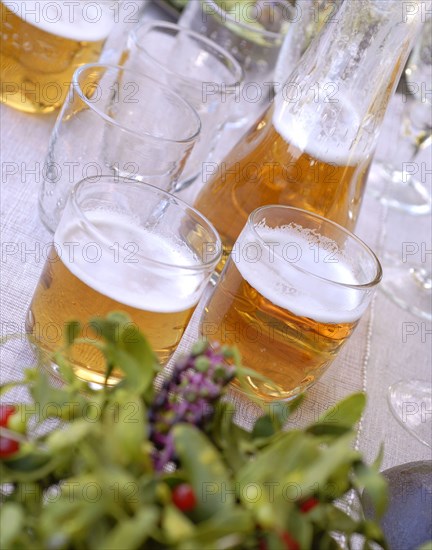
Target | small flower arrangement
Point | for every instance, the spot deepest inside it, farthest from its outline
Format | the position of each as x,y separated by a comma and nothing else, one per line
129,467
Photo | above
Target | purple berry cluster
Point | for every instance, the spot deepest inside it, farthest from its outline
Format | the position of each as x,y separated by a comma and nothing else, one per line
188,395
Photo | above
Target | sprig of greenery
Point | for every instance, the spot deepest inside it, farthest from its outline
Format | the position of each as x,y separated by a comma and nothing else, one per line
91,483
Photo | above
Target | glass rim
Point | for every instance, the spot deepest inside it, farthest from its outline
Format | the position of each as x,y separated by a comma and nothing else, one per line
261,32
155,24
77,87
122,182
362,286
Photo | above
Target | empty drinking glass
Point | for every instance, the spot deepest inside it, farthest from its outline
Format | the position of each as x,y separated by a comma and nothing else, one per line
198,69
116,122
253,32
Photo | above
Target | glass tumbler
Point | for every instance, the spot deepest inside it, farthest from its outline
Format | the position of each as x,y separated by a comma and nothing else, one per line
202,72
116,122
124,246
253,32
42,43
291,294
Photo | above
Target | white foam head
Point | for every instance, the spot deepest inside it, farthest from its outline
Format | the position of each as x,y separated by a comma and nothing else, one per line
83,21
118,267
278,265
325,131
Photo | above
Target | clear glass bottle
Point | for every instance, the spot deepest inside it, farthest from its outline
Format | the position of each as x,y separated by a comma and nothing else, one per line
311,16
313,147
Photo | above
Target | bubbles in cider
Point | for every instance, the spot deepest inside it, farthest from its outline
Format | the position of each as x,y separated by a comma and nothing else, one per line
277,301
325,131
286,255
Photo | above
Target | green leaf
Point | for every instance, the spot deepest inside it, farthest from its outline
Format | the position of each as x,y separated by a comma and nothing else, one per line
235,442
336,455
126,363
263,428
132,533
328,517
300,528
65,368
235,522
205,471
372,531
374,484
282,410
11,523
127,349
295,448
73,331
137,345
60,440
5,388
31,465
137,377
338,483
345,413
110,327
426,546
176,526
271,483
327,542
50,402
125,421
71,517
331,431
378,461
277,415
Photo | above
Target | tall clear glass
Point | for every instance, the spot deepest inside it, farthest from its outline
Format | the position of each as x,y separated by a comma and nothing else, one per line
313,147
118,122
292,292
198,69
122,246
404,183
394,180
253,32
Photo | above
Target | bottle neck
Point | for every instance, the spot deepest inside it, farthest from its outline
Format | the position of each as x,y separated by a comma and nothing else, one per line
336,97
311,16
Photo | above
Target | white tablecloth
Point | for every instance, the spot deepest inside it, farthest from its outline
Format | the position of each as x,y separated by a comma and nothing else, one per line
389,344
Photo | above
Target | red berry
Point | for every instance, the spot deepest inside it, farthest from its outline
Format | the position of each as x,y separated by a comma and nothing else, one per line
290,543
308,505
184,498
8,447
5,412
